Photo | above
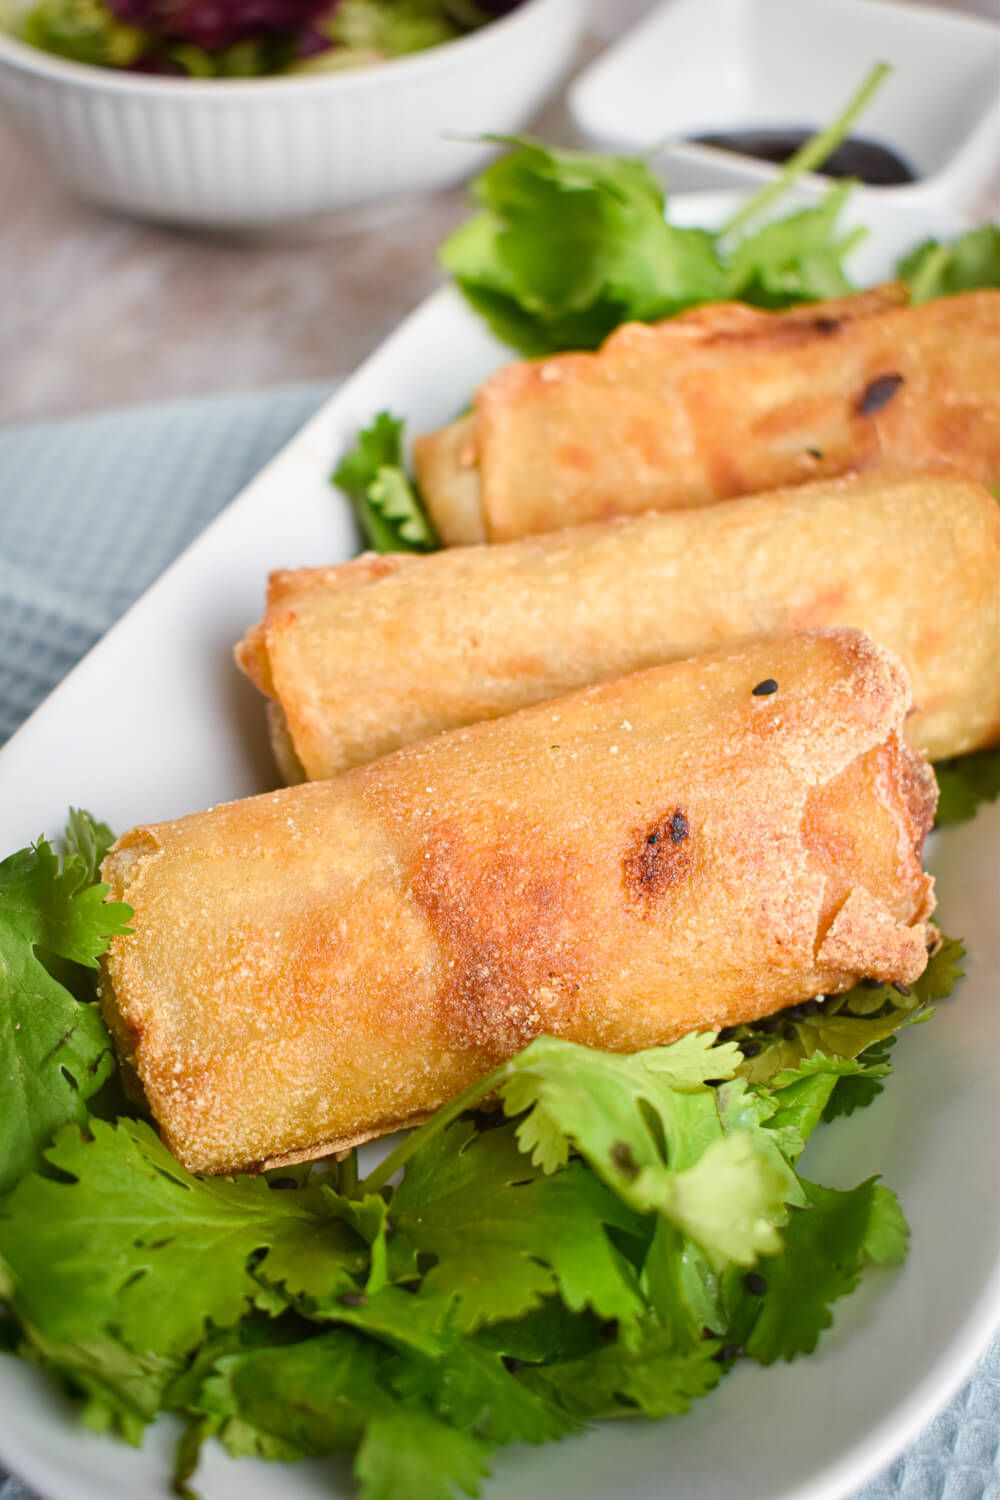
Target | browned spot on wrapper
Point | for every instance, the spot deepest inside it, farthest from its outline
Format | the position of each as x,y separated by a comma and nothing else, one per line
658,857
508,915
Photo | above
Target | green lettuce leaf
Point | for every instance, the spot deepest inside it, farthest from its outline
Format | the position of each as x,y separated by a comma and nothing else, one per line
85,31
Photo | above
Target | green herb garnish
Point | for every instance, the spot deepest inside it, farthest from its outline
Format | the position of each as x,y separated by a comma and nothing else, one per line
570,245
386,503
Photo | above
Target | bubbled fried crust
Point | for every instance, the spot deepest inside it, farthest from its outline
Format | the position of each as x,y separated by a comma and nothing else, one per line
725,401
662,853
374,654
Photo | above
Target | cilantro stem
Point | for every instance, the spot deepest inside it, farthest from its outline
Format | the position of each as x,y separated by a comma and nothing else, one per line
347,1174
439,1121
811,155
923,284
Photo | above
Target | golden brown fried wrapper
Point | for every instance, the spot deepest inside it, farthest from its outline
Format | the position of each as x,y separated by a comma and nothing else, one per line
662,853
722,401
362,658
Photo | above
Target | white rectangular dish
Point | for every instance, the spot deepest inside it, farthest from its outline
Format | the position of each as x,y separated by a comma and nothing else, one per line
156,721
699,66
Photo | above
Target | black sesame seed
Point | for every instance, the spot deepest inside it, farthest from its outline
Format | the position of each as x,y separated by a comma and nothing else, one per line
654,838
879,393
826,325
816,453
353,1299
621,1156
728,1352
901,988
749,1049
766,688
755,1283
679,827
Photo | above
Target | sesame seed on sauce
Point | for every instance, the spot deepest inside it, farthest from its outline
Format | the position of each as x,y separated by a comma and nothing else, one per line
679,827
901,988
766,688
878,393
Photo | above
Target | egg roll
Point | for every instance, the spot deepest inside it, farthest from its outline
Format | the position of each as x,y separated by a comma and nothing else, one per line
364,657
722,401
680,849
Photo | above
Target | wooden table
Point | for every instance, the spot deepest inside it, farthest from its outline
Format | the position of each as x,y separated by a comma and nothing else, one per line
99,311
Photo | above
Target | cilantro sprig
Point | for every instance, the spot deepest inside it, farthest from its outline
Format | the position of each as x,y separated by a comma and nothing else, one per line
567,245
388,508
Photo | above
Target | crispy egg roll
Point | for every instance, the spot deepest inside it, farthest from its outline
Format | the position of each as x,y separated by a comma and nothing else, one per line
722,401
665,852
362,658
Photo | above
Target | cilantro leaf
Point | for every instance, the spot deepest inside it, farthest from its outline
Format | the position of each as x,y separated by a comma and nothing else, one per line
846,1025
856,1090
799,258
827,1245
504,1237
654,1378
330,1393
54,1050
308,1398
89,840
127,1242
657,1138
936,269
473,1389
385,500
568,245
409,1453
964,784
729,1202
554,1084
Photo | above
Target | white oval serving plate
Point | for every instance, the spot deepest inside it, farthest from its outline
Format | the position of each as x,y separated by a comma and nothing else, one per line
156,722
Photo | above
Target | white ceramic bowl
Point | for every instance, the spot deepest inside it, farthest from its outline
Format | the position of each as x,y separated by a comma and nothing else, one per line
694,66
257,153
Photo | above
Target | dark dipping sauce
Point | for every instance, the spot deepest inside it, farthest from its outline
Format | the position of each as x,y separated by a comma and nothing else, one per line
870,162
